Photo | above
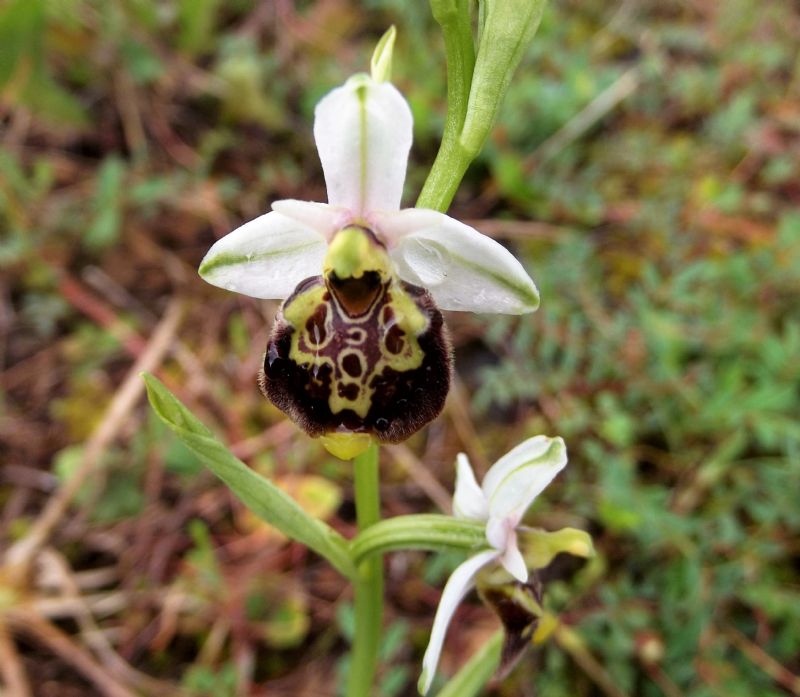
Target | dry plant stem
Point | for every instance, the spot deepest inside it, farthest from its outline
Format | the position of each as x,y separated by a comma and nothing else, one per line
16,682
571,642
465,427
579,124
368,585
93,635
779,673
421,475
664,682
21,554
61,644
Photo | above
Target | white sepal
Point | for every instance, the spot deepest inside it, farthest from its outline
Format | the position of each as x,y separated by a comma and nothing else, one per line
514,481
462,268
457,586
363,132
264,258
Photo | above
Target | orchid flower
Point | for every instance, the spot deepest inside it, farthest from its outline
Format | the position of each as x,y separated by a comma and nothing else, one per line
359,349
509,488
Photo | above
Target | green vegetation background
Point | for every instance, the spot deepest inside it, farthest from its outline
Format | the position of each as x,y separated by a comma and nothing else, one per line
646,168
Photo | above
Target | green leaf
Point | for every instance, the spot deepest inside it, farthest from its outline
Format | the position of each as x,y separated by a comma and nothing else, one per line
52,103
104,229
259,495
21,34
287,623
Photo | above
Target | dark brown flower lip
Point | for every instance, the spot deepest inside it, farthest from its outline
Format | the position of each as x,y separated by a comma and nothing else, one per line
331,372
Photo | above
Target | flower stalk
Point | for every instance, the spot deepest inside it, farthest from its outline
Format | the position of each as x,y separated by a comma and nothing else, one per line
368,583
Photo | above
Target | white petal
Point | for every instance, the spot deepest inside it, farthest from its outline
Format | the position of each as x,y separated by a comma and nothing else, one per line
513,561
325,219
265,258
498,531
457,586
501,534
517,478
363,133
462,268
469,500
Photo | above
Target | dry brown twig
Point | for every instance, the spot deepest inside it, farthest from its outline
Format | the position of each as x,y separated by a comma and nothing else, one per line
18,557
27,622
62,575
14,677
760,658
421,475
571,642
458,410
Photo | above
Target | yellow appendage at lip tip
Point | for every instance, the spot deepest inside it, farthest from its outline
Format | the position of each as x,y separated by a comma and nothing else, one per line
346,446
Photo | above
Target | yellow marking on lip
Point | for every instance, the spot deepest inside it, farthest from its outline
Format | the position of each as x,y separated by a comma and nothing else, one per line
390,318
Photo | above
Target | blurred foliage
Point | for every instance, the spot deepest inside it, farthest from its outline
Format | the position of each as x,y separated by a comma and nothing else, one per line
645,168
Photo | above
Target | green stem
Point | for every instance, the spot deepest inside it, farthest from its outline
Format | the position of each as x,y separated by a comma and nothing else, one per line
452,159
445,176
368,584
428,531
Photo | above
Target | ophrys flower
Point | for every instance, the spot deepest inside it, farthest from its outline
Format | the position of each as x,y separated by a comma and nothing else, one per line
509,488
383,273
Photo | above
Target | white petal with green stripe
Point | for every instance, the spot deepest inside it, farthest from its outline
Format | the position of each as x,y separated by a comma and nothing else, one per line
265,258
462,268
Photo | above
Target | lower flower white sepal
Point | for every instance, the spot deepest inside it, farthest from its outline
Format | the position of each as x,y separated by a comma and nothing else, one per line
458,585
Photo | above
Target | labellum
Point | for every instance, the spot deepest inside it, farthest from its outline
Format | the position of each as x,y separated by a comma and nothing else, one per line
518,605
356,353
